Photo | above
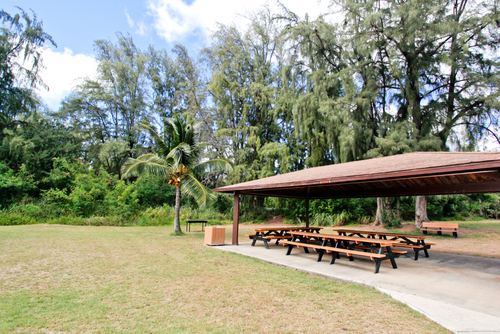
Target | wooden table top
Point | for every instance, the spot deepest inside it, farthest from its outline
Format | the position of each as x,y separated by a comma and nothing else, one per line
383,233
291,228
357,240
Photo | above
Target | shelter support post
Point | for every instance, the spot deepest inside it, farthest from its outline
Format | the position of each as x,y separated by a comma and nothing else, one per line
236,217
307,208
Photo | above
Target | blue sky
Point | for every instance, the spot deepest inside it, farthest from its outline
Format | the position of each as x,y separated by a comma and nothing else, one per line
75,25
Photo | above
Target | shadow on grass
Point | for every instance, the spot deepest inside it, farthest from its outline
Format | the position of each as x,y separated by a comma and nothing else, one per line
177,234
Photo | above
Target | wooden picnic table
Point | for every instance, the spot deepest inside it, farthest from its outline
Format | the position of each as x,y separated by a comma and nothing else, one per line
266,234
377,250
406,240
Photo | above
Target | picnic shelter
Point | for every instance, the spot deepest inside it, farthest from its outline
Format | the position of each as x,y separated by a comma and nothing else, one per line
411,174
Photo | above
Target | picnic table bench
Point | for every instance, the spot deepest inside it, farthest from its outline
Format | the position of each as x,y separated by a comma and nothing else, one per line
266,234
440,228
406,240
375,249
203,223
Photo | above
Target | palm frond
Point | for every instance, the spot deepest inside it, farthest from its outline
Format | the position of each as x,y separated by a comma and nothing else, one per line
201,194
145,164
180,154
156,137
214,165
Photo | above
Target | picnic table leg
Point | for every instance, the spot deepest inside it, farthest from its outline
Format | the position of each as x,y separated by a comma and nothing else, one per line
425,249
422,243
334,257
278,240
377,266
337,255
393,262
255,238
290,247
320,255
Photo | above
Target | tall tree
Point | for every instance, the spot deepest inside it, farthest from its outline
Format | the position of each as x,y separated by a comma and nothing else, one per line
35,143
246,80
109,107
22,39
443,80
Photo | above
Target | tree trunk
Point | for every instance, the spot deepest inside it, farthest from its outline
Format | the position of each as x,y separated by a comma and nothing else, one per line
177,221
420,211
388,206
378,215
481,208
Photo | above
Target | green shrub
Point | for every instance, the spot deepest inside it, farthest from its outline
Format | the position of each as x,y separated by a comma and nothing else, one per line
389,220
223,203
324,219
154,191
67,220
7,219
27,208
341,219
15,185
321,219
158,216
364,220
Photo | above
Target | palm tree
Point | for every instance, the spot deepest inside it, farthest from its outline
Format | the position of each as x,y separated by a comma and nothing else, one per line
178,160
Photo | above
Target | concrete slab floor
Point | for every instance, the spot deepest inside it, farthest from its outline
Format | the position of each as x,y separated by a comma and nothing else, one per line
462,293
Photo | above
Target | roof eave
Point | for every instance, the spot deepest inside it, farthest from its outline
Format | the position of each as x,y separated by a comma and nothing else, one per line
450,169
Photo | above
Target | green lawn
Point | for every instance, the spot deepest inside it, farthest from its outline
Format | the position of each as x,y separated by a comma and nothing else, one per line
71,279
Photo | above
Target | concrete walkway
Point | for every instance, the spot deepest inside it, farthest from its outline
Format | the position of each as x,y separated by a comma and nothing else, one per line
462,293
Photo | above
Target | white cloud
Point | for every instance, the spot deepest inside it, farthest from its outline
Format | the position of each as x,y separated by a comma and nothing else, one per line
142,27
63,71
130,22
174,19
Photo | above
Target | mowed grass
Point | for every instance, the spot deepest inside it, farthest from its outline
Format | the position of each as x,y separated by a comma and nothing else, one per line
69,279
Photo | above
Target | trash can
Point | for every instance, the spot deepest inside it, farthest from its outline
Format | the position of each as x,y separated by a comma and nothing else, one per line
214,236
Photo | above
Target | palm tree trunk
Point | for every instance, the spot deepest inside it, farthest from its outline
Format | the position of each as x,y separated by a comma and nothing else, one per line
177,222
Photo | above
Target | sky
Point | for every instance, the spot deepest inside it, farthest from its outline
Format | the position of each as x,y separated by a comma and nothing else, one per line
75,25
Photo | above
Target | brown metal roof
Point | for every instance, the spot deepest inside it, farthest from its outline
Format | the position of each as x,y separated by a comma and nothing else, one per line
419,173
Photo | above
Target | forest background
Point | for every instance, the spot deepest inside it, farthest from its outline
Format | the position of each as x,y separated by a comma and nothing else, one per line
281,94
